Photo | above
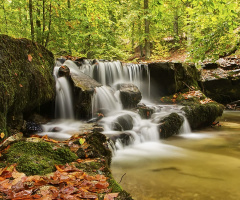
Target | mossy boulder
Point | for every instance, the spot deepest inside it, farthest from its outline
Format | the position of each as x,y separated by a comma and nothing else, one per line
37,157
170,125
201,115
26,80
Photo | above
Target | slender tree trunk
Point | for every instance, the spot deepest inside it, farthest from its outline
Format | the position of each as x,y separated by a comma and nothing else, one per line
147,31
69,29
49,25
44,21
38,25
5,17
31,18
175,23
133,38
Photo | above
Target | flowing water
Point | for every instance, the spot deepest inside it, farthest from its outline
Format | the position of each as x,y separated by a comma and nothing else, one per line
201,165
191,166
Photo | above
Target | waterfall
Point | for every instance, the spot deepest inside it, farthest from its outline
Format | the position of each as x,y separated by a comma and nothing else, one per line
112,73
63,102
105,98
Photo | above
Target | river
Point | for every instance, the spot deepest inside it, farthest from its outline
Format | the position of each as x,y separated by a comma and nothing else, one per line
203,165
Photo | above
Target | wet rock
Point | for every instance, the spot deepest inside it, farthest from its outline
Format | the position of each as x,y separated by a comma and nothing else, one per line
64,71
145,112
130,95
125,121
170,125
61,60
125,138
83,90
116,126
56,129
32,127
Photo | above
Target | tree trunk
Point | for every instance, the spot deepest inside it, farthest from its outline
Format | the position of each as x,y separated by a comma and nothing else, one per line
5,17
49,25
175,24
38,25
69,28
147,25
44,22
31,19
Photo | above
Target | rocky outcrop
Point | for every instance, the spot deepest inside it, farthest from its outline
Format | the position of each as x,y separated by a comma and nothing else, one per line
168,78
130,95
26,81
221,85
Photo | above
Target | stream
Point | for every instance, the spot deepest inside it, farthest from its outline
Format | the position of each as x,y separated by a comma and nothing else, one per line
201,165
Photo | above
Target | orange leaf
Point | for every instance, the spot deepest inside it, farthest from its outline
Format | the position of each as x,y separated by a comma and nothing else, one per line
40,55
20,85
29,57
2,135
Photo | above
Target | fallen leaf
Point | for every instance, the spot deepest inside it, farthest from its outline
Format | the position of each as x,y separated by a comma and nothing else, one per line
20,85
29,57
110,196
82,140
2,135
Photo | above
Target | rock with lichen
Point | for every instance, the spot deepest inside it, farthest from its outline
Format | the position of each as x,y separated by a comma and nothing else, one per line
26,81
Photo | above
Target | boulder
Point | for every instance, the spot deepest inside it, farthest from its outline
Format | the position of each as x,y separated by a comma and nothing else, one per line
145,112
64,71
201,115
83,90
26,81
170,125
125,122
130,95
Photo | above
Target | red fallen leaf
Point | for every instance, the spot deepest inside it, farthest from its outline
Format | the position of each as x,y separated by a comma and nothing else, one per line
102,185
18,187
29,57
23,194
87,196
101,177
68,190
110,196
20,85
40,182
6,174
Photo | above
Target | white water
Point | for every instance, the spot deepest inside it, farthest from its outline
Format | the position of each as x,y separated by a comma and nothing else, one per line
113,73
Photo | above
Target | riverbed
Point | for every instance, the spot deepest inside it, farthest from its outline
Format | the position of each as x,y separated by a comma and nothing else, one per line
202,165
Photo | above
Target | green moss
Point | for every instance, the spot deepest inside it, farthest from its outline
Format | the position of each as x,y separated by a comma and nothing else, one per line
201,115
25,83
114,185
37,157
170,125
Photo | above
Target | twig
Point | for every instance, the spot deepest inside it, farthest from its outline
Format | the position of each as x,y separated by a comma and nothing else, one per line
122,178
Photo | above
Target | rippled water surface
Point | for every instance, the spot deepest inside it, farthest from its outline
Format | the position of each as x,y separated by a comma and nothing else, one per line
203,165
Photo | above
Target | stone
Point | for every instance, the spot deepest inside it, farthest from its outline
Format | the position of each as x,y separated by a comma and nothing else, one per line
130,95
63,71
125,121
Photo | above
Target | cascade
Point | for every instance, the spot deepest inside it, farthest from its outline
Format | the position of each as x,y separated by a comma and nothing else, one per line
112,73
108,99
63,104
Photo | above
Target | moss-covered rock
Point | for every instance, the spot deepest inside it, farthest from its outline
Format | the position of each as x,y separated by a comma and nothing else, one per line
201,115
26,80
37,157
170,125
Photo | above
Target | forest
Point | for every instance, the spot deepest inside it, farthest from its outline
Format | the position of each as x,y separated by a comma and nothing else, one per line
126,29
